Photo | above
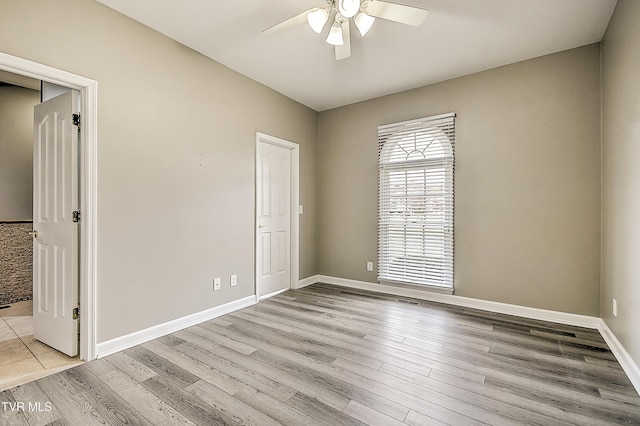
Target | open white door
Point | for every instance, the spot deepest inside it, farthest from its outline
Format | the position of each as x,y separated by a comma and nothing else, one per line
273,219
55,247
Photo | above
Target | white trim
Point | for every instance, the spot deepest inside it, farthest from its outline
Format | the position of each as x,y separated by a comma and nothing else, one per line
295,203
136,338
306,281
275,293
484,305
88,183
626,362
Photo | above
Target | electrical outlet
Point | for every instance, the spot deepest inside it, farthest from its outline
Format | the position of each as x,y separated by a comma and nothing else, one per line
615,308
217,282
369,266
234,280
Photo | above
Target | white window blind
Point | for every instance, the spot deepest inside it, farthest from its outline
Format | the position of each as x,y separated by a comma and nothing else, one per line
415,204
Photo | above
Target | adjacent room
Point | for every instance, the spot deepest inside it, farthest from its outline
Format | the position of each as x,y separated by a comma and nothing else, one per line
23,356
320,212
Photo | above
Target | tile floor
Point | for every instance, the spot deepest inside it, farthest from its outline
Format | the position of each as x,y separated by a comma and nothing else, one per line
23,358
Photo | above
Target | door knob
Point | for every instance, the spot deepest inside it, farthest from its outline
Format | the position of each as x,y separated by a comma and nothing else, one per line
33,233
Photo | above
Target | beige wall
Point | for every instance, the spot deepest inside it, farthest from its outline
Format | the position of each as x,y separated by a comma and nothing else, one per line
621,175
176,140
527,218
16,152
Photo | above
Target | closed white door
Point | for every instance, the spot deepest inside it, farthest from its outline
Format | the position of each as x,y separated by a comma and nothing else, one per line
273,219
55,247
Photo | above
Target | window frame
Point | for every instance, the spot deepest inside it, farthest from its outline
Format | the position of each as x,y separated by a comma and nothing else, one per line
437,171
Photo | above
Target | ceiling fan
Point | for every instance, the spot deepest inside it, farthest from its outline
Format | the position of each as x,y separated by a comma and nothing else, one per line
363,14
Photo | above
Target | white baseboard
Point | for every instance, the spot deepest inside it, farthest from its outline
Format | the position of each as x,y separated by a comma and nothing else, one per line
275,293
306,281
626,362
124,342
467,302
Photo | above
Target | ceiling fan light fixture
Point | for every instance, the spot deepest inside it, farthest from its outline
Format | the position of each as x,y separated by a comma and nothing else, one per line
348,8
335,35
342,12
364,22
317,19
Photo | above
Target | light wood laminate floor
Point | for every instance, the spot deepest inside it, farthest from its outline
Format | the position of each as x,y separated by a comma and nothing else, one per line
326,355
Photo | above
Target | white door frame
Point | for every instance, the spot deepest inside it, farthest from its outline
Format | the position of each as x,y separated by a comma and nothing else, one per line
295,203
88,185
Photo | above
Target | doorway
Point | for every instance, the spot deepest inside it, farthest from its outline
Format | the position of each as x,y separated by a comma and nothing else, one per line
87,182
277,215
26,350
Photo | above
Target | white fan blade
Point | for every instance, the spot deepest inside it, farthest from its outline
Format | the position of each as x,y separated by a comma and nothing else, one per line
395,12
288,24
343,51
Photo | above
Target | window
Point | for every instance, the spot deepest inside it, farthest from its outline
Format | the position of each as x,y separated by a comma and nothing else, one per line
415,204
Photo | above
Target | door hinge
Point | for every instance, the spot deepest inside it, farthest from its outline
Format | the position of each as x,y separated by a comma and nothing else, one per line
76,216
76,120
76,312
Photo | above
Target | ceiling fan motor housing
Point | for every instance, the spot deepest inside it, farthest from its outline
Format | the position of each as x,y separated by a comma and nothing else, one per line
348,8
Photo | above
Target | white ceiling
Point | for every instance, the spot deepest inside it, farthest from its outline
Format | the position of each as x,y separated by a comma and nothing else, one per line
459,37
